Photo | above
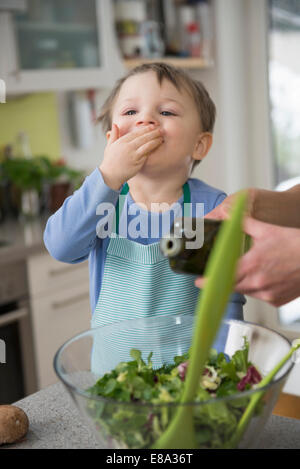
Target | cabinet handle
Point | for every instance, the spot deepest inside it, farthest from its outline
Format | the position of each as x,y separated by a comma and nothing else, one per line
70,301
13,316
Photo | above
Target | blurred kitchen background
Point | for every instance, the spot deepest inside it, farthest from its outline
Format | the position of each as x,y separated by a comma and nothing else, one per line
58,61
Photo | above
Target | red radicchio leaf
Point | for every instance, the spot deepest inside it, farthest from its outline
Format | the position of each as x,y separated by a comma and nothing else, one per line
182,369
252,377
207,372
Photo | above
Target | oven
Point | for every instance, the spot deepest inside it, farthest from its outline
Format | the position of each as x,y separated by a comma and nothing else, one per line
17,367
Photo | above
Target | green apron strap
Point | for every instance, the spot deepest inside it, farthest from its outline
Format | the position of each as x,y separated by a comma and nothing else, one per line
186,200
125,190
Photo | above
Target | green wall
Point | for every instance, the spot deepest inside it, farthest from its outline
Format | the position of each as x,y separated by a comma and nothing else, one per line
37,115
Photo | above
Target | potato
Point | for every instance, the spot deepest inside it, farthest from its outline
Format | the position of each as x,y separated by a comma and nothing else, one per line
14,424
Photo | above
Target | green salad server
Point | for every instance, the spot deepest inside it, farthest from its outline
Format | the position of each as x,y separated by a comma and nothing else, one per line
255,398
210,309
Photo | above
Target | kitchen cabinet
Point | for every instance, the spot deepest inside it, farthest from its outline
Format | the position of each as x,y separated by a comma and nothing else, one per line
60,309
58,46
178,33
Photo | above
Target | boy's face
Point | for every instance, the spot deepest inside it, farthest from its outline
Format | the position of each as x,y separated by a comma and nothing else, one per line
143,101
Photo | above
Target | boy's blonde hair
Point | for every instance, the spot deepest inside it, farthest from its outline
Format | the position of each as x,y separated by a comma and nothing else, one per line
179,78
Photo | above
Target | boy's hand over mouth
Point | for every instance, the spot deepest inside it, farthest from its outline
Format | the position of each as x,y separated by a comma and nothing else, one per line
124,156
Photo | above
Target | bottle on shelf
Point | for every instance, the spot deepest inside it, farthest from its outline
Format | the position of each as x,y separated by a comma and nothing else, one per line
129,16
186,16
193,40
170,21
204,19
22,146
152,44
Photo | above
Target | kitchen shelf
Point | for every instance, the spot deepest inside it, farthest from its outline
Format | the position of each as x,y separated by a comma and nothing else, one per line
189,62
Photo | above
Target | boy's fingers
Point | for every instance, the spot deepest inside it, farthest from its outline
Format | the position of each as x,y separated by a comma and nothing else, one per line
139,142
128,137
149,146
138,136
255,228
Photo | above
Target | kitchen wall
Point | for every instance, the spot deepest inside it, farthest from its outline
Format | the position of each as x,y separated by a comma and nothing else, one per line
35,114
240,84
83,158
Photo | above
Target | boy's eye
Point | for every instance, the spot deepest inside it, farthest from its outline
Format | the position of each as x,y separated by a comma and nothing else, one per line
131,112
167,113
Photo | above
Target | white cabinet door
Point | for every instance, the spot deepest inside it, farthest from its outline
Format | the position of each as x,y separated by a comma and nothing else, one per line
46,275
69,44
55,319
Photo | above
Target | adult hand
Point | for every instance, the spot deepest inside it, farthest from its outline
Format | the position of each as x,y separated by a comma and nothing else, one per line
270,270
222,211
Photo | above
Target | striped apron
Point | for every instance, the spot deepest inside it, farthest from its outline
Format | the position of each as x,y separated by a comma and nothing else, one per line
138,283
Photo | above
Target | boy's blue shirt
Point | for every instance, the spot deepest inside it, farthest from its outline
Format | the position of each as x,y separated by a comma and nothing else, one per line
70,234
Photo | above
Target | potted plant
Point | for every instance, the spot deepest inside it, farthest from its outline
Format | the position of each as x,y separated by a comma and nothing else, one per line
62,180
25,179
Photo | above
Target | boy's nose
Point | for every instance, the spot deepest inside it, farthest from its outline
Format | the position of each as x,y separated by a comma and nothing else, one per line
146,120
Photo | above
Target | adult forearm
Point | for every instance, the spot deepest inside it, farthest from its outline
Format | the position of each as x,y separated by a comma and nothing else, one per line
279,208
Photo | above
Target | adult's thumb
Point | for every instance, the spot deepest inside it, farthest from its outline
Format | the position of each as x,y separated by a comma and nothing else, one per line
217,213
255,228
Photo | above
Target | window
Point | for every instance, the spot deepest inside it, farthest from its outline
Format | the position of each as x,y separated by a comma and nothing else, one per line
284,86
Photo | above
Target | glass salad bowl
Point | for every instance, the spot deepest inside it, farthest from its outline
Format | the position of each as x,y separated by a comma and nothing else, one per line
139,383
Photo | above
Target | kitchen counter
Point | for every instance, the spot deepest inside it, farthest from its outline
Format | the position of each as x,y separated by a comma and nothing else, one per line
56,423
21,238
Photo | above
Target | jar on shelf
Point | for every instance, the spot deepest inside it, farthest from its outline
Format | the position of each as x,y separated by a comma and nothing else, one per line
193,40
186,16
152,42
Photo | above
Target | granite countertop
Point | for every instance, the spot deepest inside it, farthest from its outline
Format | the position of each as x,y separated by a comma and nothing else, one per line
56,423
21,238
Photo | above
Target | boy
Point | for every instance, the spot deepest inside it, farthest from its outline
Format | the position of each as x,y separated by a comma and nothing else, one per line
158,123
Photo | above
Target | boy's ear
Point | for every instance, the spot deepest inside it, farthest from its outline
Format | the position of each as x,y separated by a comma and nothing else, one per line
203,145
108,135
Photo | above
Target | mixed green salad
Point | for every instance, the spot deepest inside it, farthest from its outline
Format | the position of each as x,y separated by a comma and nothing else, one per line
137,382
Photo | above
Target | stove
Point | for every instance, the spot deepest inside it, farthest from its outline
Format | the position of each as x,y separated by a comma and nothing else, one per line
16,349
